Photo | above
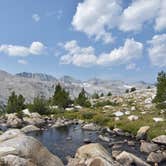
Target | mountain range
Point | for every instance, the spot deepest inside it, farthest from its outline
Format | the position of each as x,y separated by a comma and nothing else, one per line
31,85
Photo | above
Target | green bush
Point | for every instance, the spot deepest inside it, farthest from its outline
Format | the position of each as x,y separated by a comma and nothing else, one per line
88,115
100,119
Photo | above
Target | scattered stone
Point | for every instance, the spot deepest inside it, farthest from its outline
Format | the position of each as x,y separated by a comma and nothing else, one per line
129,159
104,138
142,133
91,126
160,139
118,113
132,117
147,147
127,113
158,119
68,138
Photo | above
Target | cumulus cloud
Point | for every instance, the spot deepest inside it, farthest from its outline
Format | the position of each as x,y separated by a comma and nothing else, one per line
22,61
139,12
129,51
103,16
157,50
86,56
77,55
36,17
36,48
95,17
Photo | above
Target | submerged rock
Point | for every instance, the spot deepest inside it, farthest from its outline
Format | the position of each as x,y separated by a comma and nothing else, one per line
21,150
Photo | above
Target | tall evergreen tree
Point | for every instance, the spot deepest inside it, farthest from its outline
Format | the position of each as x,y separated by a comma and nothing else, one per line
61,98
82,99
15,103
161,87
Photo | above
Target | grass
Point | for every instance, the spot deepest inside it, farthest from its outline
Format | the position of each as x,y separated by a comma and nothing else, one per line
97,116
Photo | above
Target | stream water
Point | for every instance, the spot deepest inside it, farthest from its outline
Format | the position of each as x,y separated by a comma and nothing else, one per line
58,142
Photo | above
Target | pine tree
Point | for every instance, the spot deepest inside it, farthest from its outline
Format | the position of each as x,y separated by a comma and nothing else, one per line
82,99
61,98
15,103
109,94
161,87
39,105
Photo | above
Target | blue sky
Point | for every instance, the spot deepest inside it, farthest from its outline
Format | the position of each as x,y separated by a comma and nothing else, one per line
110,39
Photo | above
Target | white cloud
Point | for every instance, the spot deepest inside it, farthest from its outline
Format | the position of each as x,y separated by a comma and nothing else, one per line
139,12
22,61
131,50
77,55
132,66
86,56
95,17
36,48
36,17
157,50
161,18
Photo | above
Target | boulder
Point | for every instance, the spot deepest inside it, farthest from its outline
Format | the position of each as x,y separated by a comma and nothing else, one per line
147,147
156,157
13,121
129,159
21,148
91,126
142,132
160,139
26,112
29,128
92,154
33,121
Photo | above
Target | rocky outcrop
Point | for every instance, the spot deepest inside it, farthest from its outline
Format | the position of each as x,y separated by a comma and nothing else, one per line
21,150
92,155
129,159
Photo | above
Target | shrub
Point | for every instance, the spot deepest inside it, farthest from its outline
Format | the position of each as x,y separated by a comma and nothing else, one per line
132,89
88,115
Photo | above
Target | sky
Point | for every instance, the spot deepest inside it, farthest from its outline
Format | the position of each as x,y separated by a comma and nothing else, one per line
108,39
